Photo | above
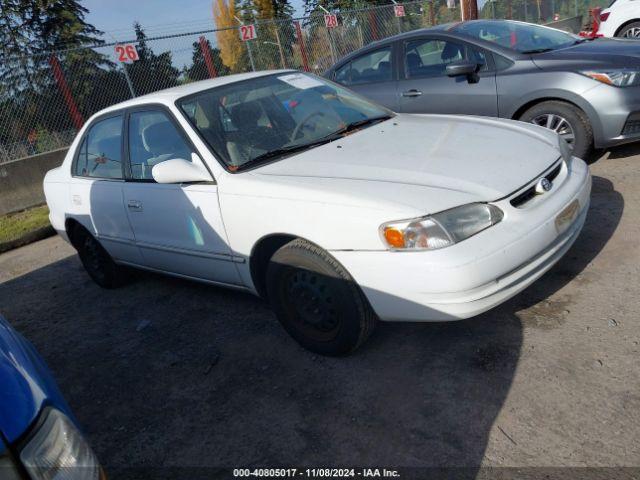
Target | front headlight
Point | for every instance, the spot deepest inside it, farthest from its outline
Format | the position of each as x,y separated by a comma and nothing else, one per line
441,229
58,451
622,77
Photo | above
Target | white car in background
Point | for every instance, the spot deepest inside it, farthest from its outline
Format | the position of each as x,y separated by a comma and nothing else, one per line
621,19
336,210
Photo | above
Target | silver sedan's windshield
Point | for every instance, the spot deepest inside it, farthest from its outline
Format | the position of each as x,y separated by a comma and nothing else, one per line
267,117
519,36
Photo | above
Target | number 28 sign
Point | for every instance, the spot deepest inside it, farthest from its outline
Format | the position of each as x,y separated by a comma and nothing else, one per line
330,20
126,53
248,32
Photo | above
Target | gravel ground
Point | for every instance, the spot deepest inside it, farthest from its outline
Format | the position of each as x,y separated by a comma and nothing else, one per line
169,373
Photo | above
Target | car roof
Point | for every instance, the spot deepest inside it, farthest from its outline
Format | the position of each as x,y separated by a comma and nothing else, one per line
170,95
444,28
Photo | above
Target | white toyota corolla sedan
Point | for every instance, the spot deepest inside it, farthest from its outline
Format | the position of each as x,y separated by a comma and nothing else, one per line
336,210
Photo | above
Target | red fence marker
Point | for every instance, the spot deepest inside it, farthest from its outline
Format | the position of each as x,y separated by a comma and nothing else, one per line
76,116
303,52
208,61
374,24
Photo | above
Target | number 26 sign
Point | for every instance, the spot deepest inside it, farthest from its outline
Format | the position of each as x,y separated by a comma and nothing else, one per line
248,32
126,53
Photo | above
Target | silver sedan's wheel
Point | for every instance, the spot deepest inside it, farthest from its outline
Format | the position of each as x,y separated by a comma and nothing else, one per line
631,30
566,120
558,124
632,33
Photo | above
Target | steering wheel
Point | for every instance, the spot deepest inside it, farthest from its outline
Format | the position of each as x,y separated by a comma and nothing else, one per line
303,122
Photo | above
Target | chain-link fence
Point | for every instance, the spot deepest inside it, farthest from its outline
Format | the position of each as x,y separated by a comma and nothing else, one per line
45,99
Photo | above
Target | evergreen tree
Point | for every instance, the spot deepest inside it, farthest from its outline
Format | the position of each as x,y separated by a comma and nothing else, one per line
30,31
198,69
151,72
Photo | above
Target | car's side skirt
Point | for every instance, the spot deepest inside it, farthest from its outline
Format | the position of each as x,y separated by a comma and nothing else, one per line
187,277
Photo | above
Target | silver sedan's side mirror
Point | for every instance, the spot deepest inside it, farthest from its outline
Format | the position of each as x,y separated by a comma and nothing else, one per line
179,170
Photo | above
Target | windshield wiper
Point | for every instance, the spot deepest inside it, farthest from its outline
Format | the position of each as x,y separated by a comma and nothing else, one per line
360,123
286,150
321,141
537,50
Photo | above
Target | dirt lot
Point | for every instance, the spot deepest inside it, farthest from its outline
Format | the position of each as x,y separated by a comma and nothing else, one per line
166,372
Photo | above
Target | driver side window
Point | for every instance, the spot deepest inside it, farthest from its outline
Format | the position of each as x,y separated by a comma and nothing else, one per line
153,139
430,57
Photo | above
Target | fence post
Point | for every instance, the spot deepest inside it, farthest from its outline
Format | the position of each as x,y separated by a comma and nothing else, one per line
206,54
76,116
303,51
129,83
374,24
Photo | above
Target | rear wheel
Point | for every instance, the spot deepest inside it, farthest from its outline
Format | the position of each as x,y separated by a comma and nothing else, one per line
630,31
566,120
96,260
317,301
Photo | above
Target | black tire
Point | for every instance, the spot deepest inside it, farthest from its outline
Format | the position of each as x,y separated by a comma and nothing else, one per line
579,122
317,301
630,31
96,260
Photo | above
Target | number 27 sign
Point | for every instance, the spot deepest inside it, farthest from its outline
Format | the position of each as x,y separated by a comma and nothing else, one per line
248,32
126,53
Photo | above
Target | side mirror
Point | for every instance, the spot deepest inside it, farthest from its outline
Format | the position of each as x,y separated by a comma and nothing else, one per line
179,170
459,69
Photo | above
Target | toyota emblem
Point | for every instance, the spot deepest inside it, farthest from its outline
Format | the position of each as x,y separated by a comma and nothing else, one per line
543,185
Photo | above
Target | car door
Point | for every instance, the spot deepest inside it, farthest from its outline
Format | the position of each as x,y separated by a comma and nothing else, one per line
178,227
372,74
96,187
425,87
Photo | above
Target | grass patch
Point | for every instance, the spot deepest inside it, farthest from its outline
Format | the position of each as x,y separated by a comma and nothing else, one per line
15,225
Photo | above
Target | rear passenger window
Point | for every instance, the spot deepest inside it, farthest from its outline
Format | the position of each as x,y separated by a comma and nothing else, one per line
99,155
372,67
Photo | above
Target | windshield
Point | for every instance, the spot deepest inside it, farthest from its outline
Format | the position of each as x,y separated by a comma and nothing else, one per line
522,37
268,117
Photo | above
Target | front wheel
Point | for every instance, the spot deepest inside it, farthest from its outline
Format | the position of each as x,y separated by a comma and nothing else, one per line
630,31
317,301
566,120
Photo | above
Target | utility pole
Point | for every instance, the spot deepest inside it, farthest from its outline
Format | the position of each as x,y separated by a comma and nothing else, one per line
469,9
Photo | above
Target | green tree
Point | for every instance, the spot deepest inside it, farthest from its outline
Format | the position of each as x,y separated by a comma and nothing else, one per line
30,32
152,71
198,69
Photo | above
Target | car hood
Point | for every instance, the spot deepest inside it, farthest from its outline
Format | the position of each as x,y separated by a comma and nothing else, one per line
26,383
597,53
482,158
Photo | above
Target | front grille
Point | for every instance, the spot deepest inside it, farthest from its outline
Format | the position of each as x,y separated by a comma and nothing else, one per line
530,192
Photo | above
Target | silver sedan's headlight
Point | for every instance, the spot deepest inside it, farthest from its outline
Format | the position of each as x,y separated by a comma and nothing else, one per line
58,451
619,77
441,229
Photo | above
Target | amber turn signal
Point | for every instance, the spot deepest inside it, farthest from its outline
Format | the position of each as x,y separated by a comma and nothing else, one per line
394,237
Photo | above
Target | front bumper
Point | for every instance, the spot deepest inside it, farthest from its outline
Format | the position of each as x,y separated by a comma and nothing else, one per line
481,272
615,107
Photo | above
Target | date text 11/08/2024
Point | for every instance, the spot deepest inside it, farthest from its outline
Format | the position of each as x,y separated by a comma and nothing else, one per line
317,472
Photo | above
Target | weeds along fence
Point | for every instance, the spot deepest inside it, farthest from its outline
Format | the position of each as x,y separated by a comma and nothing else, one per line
45,99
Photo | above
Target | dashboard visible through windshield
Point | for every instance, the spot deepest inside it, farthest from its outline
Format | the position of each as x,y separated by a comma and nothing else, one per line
251,121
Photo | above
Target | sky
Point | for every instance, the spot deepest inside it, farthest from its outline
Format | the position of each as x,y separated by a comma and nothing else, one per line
158,17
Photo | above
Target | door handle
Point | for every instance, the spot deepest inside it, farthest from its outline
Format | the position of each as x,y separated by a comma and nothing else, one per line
135,205
412,93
